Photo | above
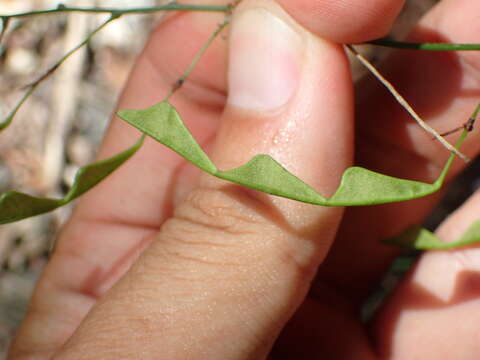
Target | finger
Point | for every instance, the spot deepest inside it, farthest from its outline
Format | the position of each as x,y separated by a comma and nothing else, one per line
442,88
233,264
106,232
320,330
345,21
116,220
438,302
202,99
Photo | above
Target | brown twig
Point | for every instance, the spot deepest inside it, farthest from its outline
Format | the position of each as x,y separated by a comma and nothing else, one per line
405,104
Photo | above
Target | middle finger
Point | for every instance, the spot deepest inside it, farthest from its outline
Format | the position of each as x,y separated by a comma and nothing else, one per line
443,88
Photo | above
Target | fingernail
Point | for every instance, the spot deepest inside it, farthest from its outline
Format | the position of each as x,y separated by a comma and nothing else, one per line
265,61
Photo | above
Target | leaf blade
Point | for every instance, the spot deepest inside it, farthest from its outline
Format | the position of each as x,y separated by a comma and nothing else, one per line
267,175
358,186
419,238
15,206
163,123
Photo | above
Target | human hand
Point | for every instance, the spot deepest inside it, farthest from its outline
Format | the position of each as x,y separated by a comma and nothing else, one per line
218,271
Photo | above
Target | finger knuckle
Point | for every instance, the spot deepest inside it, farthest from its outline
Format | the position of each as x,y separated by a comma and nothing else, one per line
211,229
215,229
215,211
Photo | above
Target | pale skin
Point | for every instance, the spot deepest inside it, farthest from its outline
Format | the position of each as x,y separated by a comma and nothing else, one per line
162,262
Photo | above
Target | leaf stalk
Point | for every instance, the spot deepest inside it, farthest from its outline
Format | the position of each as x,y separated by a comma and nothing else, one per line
424,46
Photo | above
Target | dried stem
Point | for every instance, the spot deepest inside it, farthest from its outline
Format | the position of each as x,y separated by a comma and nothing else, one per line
405,104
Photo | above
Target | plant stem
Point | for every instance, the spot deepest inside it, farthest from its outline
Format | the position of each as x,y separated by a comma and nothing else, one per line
75,49
179,83
405,104
8,120
172,6
424,46
181,80
466,129
31,87
114,14
5,22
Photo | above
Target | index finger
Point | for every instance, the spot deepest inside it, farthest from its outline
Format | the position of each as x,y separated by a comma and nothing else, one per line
201,100
345,21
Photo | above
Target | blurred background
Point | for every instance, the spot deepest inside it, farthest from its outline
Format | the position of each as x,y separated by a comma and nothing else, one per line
60,127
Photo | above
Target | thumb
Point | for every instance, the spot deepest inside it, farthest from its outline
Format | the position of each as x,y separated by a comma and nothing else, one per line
230,267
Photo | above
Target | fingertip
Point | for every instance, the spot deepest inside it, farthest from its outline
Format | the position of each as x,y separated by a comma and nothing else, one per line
436,294
460,220
289,96
347,21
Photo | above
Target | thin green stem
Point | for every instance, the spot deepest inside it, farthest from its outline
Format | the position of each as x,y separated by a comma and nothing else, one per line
424,46
31,87
475,113
114,14
8,120
179,83
172,6
467,128
75,49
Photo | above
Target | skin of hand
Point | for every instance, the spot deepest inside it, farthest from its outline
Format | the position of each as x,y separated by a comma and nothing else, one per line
163,262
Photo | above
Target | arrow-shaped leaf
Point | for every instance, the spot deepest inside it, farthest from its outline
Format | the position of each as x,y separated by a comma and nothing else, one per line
358,186
422,239
16,206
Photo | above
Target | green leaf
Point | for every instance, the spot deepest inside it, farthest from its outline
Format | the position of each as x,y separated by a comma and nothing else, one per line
16,206
358,186
163,123
421,239
361,186
265,174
